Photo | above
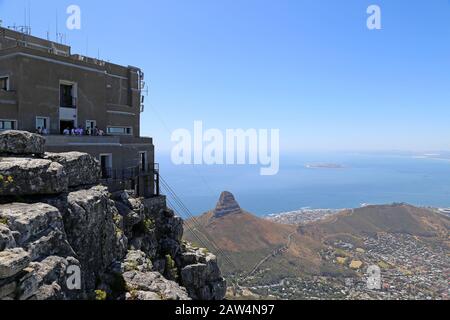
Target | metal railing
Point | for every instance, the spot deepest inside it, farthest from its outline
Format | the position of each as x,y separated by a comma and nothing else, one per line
144,180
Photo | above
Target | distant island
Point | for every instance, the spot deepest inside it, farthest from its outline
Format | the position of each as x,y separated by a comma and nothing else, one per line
324,166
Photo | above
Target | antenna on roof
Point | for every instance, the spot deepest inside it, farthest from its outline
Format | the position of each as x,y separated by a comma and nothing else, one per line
56,26
29,15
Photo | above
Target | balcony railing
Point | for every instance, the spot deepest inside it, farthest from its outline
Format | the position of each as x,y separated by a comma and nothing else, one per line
8,95
145,181
69,105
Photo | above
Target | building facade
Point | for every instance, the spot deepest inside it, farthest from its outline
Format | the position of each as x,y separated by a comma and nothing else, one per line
44,86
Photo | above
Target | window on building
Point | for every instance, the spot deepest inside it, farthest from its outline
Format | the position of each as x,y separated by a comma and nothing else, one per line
43,123
67,99
120,131
4,83
8,125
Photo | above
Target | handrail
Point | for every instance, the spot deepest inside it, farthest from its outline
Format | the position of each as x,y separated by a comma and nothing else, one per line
132,176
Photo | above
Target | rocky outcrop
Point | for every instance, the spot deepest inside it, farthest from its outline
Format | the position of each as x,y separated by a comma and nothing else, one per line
29,176
21,143
81,168
201,275
62,236
152,285
88,216
12,261
227,205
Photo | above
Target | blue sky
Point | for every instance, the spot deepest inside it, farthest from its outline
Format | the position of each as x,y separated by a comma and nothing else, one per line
308,67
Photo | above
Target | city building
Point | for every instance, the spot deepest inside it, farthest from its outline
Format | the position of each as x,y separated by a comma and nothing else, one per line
78,103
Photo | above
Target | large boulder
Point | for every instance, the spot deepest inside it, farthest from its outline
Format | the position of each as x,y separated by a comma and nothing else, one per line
29,176
81,168
152,286
200,284
200,274
138,261
13,261
47,280
89,223
7,240
169,226
21,143
30,221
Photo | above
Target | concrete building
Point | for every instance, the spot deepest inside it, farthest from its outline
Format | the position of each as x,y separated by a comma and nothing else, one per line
43,85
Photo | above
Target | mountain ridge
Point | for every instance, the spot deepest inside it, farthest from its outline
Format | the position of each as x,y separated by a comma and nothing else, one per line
297,250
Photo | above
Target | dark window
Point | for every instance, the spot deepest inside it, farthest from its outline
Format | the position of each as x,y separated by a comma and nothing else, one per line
4,83
66,97
120,130
7,124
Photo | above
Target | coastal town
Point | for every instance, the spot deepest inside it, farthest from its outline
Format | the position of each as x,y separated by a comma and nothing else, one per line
410,267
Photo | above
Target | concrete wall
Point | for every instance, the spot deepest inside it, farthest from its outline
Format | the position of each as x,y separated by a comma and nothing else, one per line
124,151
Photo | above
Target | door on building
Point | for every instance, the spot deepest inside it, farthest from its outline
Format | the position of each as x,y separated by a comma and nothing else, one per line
90,126
143,160
66,124
106,165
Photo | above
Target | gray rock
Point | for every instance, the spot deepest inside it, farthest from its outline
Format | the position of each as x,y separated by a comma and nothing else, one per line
7,289
21,143
199,283
137,260
200,274
29,284
6,238
194,275
49,292
81,168
31,177
90,229
169,226
46,280
31,221
12,261
154,282
53,243
142,296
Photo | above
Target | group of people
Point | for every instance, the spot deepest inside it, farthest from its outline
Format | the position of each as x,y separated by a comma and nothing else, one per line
83,132
42,131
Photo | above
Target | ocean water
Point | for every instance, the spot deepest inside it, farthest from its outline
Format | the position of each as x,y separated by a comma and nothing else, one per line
361,179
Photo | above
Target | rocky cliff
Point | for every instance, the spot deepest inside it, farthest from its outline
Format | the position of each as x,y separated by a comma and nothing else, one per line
65,236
